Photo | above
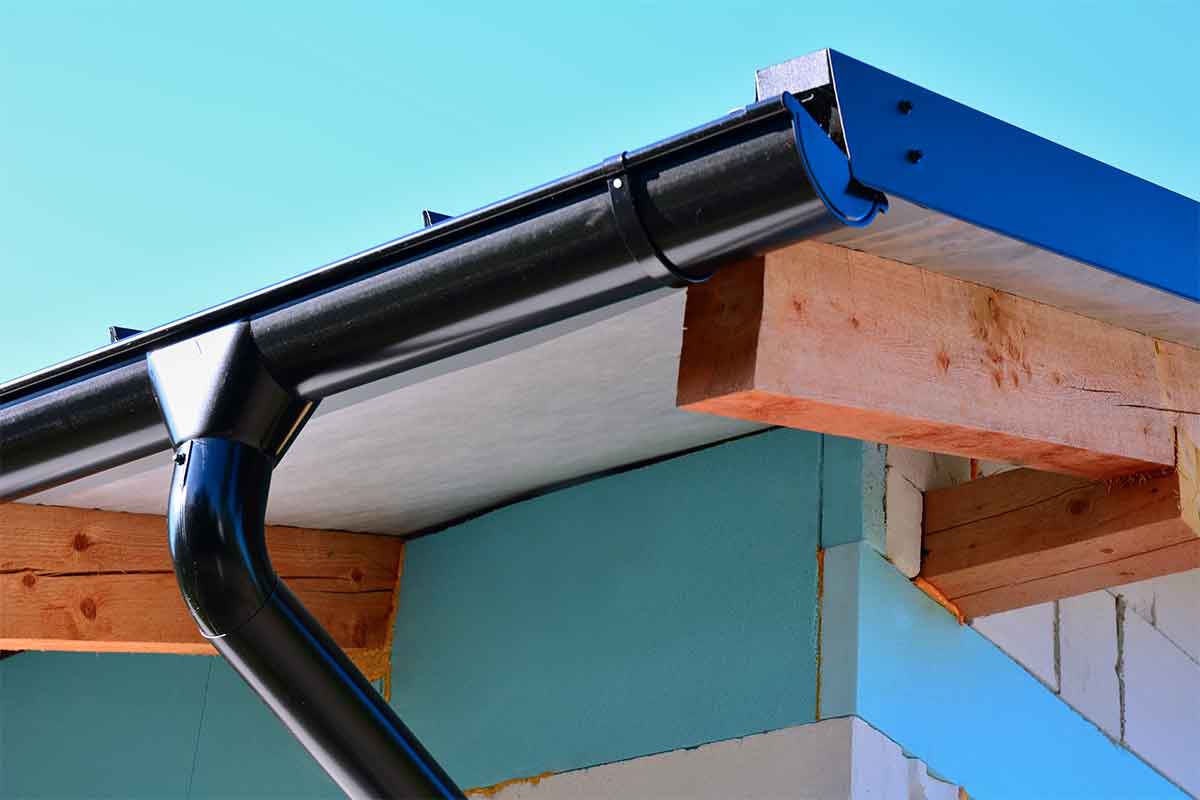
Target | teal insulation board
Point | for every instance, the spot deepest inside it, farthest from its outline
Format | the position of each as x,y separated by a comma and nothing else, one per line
655,609
948,696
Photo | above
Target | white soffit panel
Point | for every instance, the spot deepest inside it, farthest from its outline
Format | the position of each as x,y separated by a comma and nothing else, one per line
426,453
934,241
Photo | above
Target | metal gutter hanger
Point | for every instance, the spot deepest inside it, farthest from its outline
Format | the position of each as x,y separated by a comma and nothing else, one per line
230,423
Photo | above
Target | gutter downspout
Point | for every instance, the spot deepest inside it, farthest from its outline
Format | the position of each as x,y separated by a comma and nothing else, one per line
230,423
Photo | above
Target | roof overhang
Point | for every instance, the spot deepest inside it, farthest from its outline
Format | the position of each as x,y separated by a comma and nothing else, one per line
411,443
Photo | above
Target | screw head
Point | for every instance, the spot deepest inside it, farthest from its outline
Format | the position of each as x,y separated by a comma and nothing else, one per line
904,107
914,156
617,184
180,457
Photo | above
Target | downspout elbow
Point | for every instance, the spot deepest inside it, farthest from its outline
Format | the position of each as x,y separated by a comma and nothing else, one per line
231,422
217,532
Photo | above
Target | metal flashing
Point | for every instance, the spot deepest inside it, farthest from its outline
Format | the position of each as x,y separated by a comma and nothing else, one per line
916,144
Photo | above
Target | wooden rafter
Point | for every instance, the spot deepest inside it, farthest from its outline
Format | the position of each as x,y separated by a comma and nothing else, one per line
1025,537
824,338
88,580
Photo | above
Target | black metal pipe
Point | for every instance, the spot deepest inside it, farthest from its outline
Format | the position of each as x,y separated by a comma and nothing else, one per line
79,428
217,536
719,199
733,188
231,422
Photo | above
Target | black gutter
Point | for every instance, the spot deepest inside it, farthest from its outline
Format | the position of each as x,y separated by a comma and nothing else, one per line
230,388
671,212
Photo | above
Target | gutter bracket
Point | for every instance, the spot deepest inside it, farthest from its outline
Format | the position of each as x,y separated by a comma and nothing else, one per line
118,332
230,423
633,232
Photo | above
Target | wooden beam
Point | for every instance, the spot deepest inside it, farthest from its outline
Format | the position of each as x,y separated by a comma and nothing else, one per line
1025,537
102,581
820,337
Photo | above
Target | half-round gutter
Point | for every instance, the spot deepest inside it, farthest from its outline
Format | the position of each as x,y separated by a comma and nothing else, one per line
736,187
234,385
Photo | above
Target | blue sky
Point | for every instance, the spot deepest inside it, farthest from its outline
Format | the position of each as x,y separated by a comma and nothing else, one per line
158,158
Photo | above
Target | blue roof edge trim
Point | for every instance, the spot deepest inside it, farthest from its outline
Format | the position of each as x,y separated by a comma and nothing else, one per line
918,145
828,171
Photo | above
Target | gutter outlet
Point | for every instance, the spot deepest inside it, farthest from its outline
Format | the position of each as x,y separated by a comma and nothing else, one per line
230,423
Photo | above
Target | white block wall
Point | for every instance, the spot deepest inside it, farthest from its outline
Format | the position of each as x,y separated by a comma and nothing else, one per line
836,759
1161,700
1027,635
1089,658
1126,659
1172,605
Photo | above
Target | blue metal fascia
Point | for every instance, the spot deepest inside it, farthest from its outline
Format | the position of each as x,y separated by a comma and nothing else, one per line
917,145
